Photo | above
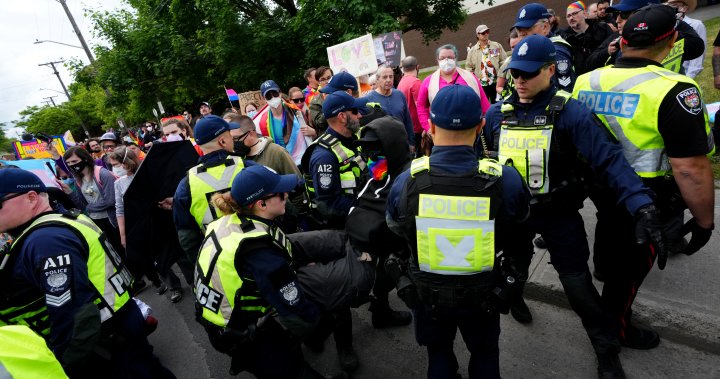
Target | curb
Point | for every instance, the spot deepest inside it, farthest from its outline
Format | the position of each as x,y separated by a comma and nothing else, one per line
675,323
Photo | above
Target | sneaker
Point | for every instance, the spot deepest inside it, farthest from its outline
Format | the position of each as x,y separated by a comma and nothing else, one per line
348,359
609,366
390,318
520,311
540,243
176,295
160,288
641,339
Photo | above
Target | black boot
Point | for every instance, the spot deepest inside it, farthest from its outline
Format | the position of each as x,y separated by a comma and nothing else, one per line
540,243
609,366
385,317
518,309
641,339
343,341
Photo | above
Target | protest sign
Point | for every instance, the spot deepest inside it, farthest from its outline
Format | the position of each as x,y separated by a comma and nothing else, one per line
37,150
387,48
356,56
252,97
43,168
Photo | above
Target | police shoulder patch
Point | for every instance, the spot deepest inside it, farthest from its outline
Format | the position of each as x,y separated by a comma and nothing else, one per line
690,101
325,180
289,293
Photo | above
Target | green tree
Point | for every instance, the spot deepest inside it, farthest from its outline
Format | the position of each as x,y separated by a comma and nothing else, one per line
6,144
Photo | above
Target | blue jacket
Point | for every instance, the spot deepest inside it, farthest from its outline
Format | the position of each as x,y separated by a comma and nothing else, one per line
395,105
576,131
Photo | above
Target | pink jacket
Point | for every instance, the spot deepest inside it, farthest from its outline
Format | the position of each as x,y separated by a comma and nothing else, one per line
423,104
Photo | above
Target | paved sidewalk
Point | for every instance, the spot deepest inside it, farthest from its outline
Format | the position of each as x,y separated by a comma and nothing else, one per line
706,13
682,302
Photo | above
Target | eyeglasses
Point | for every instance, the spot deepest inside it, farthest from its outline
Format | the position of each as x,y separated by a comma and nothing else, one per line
4,199
241,137
573,14
108,147
270,94
515,73
298,101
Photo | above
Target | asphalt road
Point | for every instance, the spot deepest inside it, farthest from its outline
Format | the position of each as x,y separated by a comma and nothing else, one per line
553,346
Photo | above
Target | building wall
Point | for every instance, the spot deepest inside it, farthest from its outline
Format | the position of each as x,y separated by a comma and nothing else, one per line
499,18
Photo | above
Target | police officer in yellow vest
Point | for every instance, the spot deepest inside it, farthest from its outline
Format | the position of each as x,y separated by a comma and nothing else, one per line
96,330
659,118
247,295
552,140
24,354
456,213
192,211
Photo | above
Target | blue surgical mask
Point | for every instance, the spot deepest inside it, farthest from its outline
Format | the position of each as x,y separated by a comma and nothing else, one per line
252,114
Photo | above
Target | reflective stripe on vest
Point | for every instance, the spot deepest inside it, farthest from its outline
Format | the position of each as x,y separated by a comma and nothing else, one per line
627,101
206,183
217,282
23,354
106,271
434,85
351,164
673,61
32,314
527,148
455,235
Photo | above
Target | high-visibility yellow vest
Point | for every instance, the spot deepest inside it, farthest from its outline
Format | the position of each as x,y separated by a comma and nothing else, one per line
627,101
525,144
205,181
351,164
455,234
106,271
24,354
219,290
673,61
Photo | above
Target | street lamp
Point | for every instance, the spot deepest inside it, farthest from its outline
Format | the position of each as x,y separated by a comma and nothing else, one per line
59,43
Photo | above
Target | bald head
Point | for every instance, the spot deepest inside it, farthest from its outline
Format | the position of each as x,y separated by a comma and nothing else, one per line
409,63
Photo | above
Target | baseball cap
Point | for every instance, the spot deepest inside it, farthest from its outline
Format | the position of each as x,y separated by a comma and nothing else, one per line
631,5
456,107
532,53
269,85
257,181
529,14
205,103
109,136
209,128
342,81
649,25
17,180
340,101
481,28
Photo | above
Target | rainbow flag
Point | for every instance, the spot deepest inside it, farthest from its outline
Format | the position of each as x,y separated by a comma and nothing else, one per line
231,94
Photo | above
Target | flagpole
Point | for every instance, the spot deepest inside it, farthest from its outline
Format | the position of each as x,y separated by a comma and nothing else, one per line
228,97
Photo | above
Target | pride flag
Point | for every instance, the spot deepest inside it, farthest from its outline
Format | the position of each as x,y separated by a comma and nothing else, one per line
231,94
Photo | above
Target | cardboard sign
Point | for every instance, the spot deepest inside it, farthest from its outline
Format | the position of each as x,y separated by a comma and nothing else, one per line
36,150
356,56
252,97
387,48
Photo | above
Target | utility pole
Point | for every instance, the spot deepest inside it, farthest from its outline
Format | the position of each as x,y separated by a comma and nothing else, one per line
50,99
55,71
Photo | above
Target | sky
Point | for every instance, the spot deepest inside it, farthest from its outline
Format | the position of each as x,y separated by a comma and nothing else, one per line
23,22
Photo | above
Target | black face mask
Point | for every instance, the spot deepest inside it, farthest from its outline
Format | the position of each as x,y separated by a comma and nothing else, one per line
240,149
77,167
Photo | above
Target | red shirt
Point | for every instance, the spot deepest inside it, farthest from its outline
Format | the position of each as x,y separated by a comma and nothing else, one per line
410,87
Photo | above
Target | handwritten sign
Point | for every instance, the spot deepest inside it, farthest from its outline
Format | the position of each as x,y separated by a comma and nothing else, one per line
37,150
387,48
252,97
356,56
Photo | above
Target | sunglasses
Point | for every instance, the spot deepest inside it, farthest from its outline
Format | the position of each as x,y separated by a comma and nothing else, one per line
4,199
108,147
298,101
485,32
271,94
280,195
515,73
241,137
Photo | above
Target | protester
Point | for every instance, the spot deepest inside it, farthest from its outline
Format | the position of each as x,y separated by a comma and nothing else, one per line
178,130
297,97
584,34
392,101
410,87
484,59
311,89
323,75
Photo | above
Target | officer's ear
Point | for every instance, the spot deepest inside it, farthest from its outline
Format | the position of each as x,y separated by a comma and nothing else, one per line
431,129
479,128
673,39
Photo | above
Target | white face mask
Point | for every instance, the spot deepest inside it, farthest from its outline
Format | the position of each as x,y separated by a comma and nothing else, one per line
275,102
447,65
119,171
173,138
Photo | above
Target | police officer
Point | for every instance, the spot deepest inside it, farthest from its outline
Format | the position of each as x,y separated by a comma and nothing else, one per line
192,211
542,132
24,354
247,296
456,212
534,18
66,261
658,116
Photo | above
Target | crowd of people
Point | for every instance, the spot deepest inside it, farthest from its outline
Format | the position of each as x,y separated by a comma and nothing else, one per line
283,217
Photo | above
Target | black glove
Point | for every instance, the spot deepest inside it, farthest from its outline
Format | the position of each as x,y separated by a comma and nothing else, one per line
700,236
648,228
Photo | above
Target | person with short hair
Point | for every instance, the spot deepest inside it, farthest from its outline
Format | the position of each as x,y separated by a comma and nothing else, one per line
584,34
392,101
410,86
205,109
312,87
484,59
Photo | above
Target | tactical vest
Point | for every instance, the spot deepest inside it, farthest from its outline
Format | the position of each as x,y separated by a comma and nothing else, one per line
627,101
468,77
455,218
351,164
673,61
526,144
222,297
205,181
23,354
106,271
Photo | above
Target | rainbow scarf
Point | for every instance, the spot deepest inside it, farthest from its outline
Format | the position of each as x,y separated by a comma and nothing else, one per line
378,168
296,144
